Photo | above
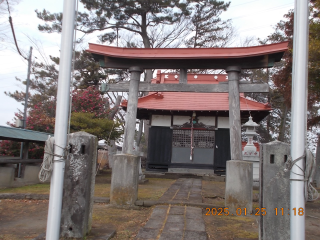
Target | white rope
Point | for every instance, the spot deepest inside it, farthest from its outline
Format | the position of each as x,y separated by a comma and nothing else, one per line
289,165
311,194
48,159
46,166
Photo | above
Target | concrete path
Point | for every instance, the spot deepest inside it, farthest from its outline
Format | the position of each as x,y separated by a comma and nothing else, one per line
168,222
185,190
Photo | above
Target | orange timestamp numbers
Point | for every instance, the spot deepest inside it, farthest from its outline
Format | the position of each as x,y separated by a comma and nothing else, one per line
239,212
256,212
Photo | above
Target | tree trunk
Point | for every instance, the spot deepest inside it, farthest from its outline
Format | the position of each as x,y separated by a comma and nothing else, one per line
146,123
148,77
283,124
112,147
115,108
139,135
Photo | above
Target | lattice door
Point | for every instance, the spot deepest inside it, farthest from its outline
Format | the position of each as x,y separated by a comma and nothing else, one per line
201,138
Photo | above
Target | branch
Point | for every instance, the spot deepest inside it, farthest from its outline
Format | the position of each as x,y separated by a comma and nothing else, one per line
115,108
138,24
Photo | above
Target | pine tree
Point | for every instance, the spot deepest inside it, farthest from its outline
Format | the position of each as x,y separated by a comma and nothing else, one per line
207,28
158,23
144,18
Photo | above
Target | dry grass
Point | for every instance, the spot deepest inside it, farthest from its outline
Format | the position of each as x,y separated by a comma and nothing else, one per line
152,190
43,188
126,222
226,227
213,192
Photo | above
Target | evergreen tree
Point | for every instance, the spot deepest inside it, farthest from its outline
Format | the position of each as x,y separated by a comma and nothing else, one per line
143,18
207,28
281,75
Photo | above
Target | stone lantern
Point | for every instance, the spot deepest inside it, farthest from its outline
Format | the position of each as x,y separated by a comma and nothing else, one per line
250,152
250,149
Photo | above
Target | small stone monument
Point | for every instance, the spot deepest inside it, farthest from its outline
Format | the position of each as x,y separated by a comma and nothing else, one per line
137,152
250,152
274,192
238,196
78,186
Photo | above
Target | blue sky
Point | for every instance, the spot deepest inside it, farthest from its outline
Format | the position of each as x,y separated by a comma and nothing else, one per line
251,18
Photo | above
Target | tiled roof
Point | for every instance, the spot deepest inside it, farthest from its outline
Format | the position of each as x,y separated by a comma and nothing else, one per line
191,101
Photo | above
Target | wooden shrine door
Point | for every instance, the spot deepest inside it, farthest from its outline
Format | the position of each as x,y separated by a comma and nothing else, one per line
203,142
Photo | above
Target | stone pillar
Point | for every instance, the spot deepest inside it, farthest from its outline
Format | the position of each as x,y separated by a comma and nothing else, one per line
78,186
124,179
234,112
274,191
131,115
239,187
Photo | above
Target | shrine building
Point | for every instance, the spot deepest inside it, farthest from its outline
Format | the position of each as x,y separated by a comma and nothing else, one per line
190,130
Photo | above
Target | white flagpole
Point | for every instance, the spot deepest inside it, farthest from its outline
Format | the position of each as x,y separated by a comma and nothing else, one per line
61,123
298,118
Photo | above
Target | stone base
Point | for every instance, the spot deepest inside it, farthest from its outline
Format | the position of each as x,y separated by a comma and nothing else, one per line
124,179
239,186
191,170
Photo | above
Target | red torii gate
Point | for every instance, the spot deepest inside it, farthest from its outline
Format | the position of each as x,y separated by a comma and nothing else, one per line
230,59
124,184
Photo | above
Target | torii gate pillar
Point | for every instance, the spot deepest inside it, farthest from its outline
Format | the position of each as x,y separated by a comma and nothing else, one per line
130,126
234,112
238,172
125,170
